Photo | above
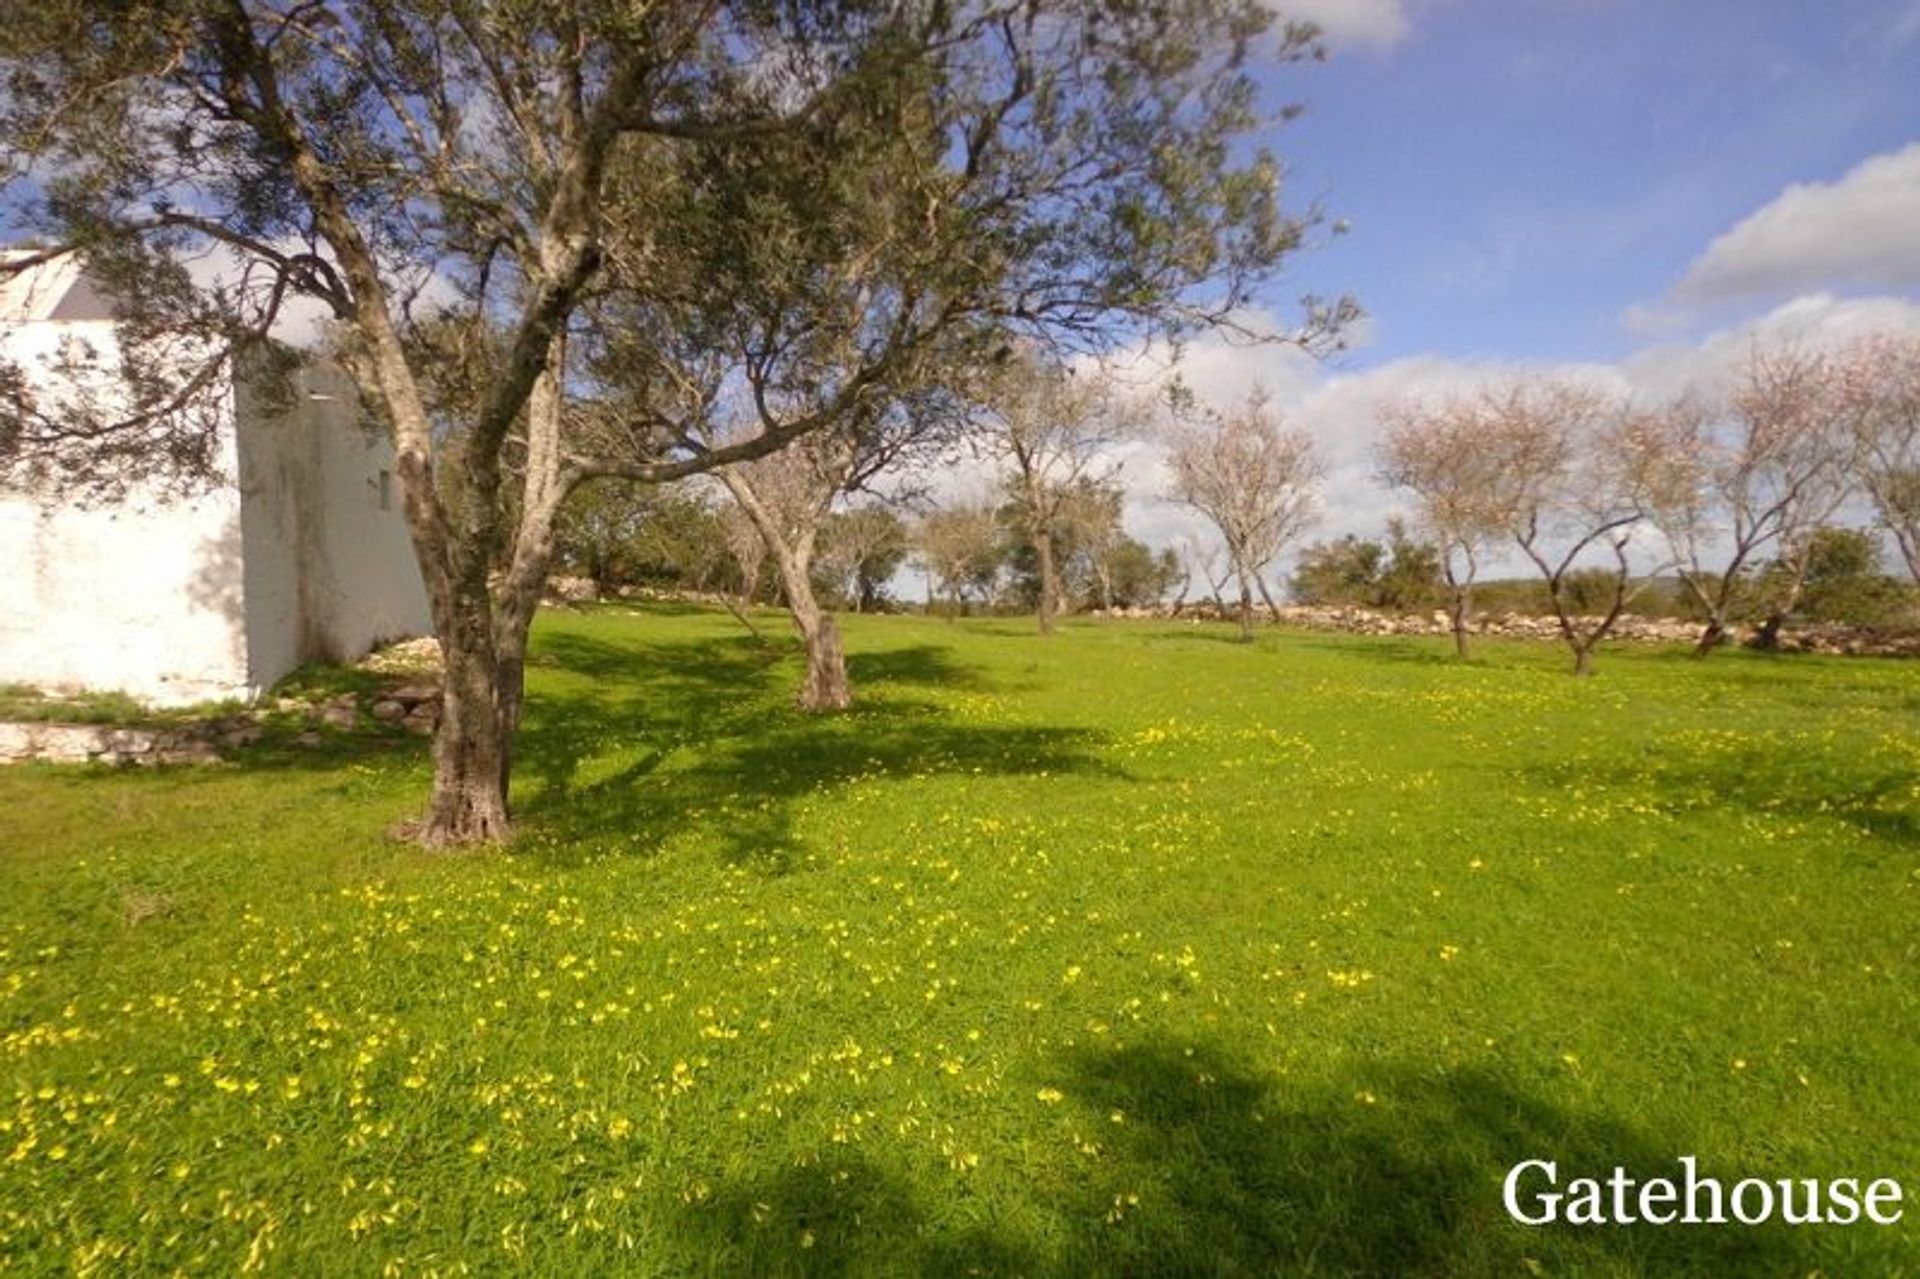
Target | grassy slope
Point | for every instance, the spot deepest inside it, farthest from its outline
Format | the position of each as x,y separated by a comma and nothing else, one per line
1136,951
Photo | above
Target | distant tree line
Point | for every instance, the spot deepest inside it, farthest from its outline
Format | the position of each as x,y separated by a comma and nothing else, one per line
1736,499
1846,583
973,558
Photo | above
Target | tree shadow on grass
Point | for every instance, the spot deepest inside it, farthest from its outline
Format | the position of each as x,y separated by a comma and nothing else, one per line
926,664
625,744
1402,1176
1810,780
1399,650
710,741
1213,1170
841,1215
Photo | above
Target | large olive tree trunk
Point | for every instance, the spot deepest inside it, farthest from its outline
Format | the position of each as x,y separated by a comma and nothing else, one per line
483,637
454,548
468,803
546,486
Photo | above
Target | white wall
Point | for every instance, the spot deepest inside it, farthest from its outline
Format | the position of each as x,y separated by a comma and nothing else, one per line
291,557
143,595
329,568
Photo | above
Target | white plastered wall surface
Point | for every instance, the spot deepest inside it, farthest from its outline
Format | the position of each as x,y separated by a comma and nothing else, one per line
290,555
329,570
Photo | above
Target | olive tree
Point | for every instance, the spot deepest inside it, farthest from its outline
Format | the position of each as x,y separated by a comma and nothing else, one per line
670,184
360,153
1054,428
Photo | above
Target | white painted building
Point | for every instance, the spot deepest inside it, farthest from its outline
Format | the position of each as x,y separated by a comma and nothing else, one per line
298,554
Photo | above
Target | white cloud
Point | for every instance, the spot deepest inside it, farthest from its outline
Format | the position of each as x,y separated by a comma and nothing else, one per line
1863,229
1662,371
1378,24
1906,24
1341,408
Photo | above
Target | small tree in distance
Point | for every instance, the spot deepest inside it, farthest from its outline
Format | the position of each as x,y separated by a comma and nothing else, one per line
860,549
1401,575
1842,580
1253,478
1054,428
1204,555
1579,470
958,548
1342,572
1436,454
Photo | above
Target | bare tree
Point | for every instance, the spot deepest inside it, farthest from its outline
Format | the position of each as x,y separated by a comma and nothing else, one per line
789,495
1768,469
785,498
1436,453
1579,471
1214,566
1880,398
1253,478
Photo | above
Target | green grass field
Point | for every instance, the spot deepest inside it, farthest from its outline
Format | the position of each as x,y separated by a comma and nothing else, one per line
1136,951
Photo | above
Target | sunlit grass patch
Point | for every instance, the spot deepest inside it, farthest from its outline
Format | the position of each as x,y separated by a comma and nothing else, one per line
1129,952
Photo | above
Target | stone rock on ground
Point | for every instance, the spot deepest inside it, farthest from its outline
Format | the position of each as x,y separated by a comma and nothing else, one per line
190,752
409,657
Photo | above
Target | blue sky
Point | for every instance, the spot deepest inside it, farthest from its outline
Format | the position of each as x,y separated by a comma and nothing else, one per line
1627,192
1520,173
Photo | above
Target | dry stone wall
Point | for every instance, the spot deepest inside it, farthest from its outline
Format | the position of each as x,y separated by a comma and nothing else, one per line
1630,628
407,697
